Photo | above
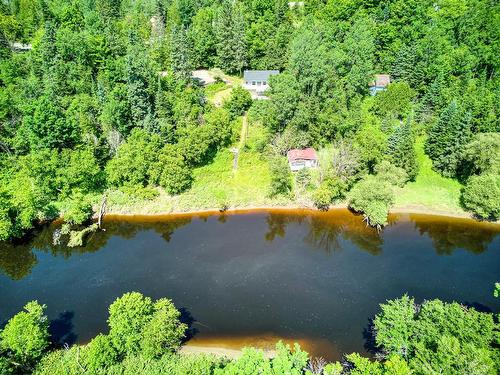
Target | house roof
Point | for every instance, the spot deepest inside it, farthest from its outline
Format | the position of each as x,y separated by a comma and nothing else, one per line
381,80
304,154
258,75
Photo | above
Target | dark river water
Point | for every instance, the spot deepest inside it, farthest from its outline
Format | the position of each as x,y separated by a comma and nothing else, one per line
311,277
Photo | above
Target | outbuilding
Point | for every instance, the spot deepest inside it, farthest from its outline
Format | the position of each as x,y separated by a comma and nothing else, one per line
380,83
302,158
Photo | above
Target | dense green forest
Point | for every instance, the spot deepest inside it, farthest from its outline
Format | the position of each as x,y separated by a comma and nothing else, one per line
97,96
144,335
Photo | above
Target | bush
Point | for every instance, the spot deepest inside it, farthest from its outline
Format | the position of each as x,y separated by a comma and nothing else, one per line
481,155
373,197
79,210
239,102
303,178
99,354
481,195
26,335
328,191
139,325
171,172
133,160
441,337
280,177
391,174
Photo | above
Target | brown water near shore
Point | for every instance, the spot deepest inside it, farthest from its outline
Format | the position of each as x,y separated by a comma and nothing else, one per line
253,277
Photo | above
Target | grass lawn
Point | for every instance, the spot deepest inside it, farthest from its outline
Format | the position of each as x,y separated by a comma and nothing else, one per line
430,190
217,185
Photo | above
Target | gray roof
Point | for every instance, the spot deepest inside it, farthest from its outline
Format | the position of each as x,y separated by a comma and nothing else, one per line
258,75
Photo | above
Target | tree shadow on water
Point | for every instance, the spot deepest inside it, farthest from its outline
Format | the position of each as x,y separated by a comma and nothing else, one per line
370,344
478,307
61,329
188,319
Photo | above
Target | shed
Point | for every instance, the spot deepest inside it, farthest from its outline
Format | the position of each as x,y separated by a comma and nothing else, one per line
380,83
258,80
302,158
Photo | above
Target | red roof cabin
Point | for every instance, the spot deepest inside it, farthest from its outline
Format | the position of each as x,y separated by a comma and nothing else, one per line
305,158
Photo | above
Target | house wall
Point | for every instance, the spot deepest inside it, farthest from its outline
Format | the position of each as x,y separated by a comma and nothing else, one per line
297,165
258,86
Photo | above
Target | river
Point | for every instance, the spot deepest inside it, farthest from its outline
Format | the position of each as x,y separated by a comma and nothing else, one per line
251,279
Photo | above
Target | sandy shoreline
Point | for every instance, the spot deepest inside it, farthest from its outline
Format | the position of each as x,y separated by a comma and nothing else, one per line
190,349
409,210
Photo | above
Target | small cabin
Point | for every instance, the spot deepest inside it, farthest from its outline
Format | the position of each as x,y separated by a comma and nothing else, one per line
258,80
380,83
302,158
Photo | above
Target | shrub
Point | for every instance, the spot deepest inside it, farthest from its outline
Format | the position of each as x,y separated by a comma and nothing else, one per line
79,210
391,174
26,335
239,101
99,354
303,178
481,195
139,325
132,162
481,155
373,197
170,171
280,176
328,191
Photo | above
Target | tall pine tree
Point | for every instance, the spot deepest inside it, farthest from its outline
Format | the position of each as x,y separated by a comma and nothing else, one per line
447,139
179,53
230,34
401,149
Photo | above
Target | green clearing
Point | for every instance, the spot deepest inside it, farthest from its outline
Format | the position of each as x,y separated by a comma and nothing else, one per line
430,190
217,185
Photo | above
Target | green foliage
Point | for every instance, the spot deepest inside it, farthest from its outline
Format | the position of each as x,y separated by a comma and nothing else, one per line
373,197
170,171
139,325
133,159
481,195
481,155
239,101
281,179
99,354
371,144
437,336
448,138
329,190
26,335
401,150
396,101
78,210
391,174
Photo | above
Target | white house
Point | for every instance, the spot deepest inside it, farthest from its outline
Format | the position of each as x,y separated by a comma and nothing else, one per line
305,158
258,80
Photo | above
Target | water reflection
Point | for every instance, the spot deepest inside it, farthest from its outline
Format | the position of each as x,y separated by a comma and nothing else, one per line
448,235
327,232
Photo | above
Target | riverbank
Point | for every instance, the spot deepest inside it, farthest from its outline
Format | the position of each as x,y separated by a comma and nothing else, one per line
396,214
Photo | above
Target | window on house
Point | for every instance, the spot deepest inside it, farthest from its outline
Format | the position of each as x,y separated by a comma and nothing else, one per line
253,83
264,83
259,83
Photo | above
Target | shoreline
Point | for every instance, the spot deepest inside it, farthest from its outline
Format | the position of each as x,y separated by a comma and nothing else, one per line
401,210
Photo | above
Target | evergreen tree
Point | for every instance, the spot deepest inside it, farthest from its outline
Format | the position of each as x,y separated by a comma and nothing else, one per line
230,33
401,149
179,54
447,139
137,75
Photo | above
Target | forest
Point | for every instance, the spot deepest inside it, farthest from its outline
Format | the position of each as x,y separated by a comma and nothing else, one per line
97,98
429,338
